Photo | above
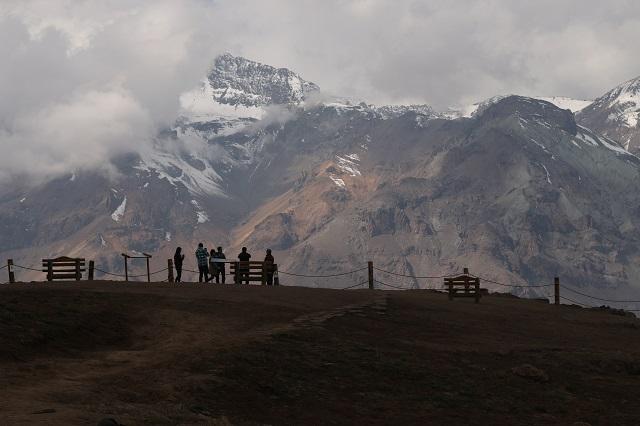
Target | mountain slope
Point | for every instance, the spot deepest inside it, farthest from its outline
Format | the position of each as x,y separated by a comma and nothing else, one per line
518,192
616,115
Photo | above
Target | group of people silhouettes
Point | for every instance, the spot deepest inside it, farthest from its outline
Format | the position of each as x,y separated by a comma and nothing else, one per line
212,265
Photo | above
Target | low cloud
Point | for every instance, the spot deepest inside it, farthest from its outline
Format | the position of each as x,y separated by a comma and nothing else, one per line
85,80
77,133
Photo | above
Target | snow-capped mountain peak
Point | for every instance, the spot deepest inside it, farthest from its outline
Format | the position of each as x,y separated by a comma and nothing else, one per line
616,114
239,81
574,105
562,102
625,102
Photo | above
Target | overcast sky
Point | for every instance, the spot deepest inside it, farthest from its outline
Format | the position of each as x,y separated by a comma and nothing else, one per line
112,71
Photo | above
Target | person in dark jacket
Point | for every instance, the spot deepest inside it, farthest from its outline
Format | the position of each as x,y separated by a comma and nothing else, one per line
178,258
213,266
202,256
243,267
268,267
219,261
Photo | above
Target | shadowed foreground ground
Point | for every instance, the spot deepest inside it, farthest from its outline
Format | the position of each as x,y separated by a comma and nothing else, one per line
159,354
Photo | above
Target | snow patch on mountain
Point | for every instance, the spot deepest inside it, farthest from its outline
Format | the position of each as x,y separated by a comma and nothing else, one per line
118,213
587,137
468,111
623,102
393,111
349,164
547,172
201,215
200,105
196,175
574,105
339,182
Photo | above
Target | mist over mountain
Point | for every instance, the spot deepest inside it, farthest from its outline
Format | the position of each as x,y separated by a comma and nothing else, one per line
515,188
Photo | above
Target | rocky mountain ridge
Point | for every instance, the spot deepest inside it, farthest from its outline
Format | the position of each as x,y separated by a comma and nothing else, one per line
616,114
520,190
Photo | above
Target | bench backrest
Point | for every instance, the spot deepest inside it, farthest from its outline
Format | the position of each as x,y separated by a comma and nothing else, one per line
64,268
463,286
252,271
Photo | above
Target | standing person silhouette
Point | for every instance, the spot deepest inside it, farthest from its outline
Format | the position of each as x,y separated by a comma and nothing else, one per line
268,267
213,266
243,267
203,268
219,259
178,258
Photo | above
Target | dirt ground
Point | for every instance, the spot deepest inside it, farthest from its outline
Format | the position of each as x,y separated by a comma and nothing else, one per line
156,354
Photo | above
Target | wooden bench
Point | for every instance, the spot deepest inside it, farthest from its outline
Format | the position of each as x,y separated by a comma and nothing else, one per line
63,268
252,271
463,285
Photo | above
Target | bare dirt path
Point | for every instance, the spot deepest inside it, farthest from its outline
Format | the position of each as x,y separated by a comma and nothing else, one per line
159,354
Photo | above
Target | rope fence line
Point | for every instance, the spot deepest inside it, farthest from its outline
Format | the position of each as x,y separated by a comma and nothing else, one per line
594,307
130,275
574,302
413,276
589,306
322,276
371,280
598,298
109,273
392,286
27,268
511,285
356,285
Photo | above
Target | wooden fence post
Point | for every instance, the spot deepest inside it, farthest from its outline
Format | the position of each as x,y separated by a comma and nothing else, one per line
465,271
556,290
12,275
92,267
370,266
49,270
126,271
264,274
148,271
170,270
236,273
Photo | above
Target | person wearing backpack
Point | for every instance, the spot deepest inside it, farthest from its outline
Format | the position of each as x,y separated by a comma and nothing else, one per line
202,256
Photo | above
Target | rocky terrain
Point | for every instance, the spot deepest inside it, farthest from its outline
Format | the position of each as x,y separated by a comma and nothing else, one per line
515,188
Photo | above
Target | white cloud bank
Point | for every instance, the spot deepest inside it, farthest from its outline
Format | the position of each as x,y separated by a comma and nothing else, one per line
82,82
100,78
